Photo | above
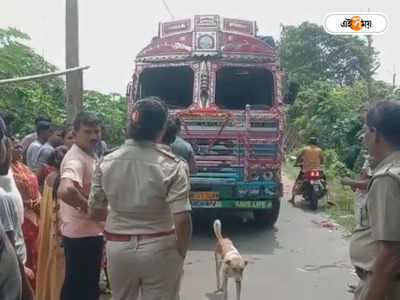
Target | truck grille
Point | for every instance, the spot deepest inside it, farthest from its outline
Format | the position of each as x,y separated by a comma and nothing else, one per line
238,124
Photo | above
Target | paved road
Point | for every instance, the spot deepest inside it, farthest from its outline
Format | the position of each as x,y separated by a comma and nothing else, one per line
297,260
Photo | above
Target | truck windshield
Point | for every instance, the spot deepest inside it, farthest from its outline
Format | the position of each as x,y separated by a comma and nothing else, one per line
174,85
238,86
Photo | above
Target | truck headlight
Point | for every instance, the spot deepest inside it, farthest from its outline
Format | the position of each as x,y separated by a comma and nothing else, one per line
269,175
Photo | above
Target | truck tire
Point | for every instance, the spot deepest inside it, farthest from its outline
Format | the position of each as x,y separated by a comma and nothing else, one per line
268,217
313,199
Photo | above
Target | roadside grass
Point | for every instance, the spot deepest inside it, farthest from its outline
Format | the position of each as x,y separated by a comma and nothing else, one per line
341,209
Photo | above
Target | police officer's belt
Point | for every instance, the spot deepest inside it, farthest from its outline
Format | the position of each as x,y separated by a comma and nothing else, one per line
117,237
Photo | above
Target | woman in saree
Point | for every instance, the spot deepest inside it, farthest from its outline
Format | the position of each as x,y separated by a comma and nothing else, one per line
50,274
28,187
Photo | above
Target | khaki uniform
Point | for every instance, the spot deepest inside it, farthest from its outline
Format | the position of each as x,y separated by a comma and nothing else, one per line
379,221
143,185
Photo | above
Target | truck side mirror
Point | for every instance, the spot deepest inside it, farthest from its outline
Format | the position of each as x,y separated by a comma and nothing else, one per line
291,92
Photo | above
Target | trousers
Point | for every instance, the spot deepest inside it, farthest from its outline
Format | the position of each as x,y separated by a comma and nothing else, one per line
152,268
82,268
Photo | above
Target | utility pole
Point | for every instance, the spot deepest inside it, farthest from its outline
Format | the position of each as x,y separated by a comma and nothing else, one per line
394,77
370,66
74,80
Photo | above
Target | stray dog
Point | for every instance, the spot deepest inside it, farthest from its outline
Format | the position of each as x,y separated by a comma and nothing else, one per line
229,263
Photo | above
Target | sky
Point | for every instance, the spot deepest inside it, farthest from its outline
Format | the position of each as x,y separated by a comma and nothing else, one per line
113,32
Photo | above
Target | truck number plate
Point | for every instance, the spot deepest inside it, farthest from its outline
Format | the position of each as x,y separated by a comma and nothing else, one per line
205,204
201,196
252,204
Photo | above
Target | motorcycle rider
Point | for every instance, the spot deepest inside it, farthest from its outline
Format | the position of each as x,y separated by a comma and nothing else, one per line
310,158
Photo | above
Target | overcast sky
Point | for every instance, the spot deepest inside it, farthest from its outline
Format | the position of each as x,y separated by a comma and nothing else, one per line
113,32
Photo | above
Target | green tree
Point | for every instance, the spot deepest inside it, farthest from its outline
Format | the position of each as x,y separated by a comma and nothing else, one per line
111,109
396,94
309,54
381,90
330,113
332,77
25,100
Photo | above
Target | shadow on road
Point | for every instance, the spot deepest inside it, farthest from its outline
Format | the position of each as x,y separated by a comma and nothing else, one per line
246,235
214,296
305,206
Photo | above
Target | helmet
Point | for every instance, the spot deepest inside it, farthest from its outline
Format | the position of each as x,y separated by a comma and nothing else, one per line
312,140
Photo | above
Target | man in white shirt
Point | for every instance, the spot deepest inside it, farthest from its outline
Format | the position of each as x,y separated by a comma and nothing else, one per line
13,281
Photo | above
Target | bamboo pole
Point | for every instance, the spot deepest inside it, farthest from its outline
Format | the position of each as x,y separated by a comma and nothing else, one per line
42,76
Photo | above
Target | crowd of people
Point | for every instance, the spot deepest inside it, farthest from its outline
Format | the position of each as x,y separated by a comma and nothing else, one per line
63,201
56,189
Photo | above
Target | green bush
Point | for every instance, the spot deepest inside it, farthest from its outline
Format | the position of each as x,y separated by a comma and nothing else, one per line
111,109
23,101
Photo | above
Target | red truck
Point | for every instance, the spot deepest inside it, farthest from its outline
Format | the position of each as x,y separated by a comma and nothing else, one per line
223,81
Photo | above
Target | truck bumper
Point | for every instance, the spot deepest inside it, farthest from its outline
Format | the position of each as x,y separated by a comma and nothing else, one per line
233,204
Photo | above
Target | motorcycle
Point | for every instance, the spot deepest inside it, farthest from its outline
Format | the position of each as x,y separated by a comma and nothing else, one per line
311,184
313,187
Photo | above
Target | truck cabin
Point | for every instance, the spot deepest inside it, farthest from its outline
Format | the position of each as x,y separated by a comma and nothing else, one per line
209,62
223,81
236,87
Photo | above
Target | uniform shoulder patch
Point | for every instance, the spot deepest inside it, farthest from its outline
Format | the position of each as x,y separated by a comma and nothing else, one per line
111,150
110,154
167,153
394,171
391,169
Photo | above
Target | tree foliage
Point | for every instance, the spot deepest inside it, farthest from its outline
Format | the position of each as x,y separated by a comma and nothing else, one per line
330,75
111,109
330,114
25,100
309,54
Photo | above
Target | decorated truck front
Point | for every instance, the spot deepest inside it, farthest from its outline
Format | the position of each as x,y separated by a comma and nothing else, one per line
223,81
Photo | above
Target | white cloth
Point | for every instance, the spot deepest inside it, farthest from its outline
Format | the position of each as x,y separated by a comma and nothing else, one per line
8,184
9,192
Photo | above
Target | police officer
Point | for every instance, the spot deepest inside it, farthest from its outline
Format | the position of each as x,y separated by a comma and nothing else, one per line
148,225
375,244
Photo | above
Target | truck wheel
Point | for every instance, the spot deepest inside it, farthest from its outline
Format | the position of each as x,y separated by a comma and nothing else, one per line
313,200
268,217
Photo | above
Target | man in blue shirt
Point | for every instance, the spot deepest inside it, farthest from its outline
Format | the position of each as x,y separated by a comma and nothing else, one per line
183,149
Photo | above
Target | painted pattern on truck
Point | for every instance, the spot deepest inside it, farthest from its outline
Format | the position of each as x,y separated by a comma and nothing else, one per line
238,151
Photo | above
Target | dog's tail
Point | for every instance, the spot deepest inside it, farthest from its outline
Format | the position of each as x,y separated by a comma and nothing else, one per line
217,229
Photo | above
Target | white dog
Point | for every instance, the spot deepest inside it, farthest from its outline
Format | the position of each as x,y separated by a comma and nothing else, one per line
229,263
